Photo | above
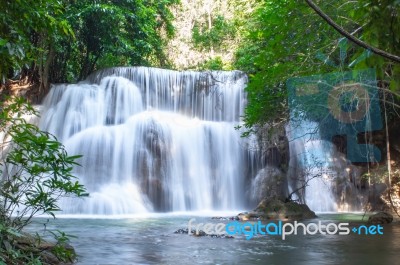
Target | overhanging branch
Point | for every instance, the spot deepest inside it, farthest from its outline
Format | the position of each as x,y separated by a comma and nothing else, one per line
346,34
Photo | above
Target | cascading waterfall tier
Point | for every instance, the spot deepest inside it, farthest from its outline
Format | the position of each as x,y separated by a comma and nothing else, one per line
311,167
319,175
153,139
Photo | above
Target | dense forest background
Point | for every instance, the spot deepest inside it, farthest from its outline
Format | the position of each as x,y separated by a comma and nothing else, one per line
55,41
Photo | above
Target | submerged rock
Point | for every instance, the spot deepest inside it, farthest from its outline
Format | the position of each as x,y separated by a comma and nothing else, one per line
380,218
230,218
201,233
276,209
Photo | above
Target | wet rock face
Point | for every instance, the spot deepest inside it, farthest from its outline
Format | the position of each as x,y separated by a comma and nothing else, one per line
275,146
348,187
154,184
268,177
346,184
269,182
380,218
152,167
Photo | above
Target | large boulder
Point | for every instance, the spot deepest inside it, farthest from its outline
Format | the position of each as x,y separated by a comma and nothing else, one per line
269,181
380,218
276,209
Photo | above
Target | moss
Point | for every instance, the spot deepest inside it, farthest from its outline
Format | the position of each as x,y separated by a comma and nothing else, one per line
274,208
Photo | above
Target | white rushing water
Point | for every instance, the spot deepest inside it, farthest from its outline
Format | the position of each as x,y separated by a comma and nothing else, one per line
153,140
311,166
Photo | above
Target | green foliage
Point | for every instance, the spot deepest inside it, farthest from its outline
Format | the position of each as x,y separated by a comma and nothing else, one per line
9,254
20,248
60,250
286,38
212,34
282,42
115,33
380,22
213,64
36,170
25,29
35,173
60,40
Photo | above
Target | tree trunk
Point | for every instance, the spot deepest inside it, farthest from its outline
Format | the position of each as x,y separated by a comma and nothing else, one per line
346,34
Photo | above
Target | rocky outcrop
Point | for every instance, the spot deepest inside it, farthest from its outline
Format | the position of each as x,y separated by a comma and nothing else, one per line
380,218
269,182
276,209
270,176
48,252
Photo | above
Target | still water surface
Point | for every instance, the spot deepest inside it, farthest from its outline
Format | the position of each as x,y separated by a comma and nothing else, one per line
151,240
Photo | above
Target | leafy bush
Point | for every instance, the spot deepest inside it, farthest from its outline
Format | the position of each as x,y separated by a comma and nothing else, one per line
35,172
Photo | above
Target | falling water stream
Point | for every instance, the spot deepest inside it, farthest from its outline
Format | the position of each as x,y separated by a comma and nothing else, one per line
311,163
153,139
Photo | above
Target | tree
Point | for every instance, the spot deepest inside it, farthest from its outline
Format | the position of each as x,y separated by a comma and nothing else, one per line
27,30
287,39
64,41
349,36
207,33
112,33
35,173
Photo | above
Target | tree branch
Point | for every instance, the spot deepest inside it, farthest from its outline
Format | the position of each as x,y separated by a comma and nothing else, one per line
353,39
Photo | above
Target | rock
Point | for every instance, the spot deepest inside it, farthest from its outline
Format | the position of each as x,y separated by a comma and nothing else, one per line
46,250
49,258
380,218
225,218
182,231
201,233
249,216
219,218
276,209
269,181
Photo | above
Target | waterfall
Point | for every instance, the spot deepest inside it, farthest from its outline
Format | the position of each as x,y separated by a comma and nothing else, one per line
330,181
153,140
311,166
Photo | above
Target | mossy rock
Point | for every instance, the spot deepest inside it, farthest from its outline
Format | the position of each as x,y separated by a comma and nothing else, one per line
276,209
48,252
